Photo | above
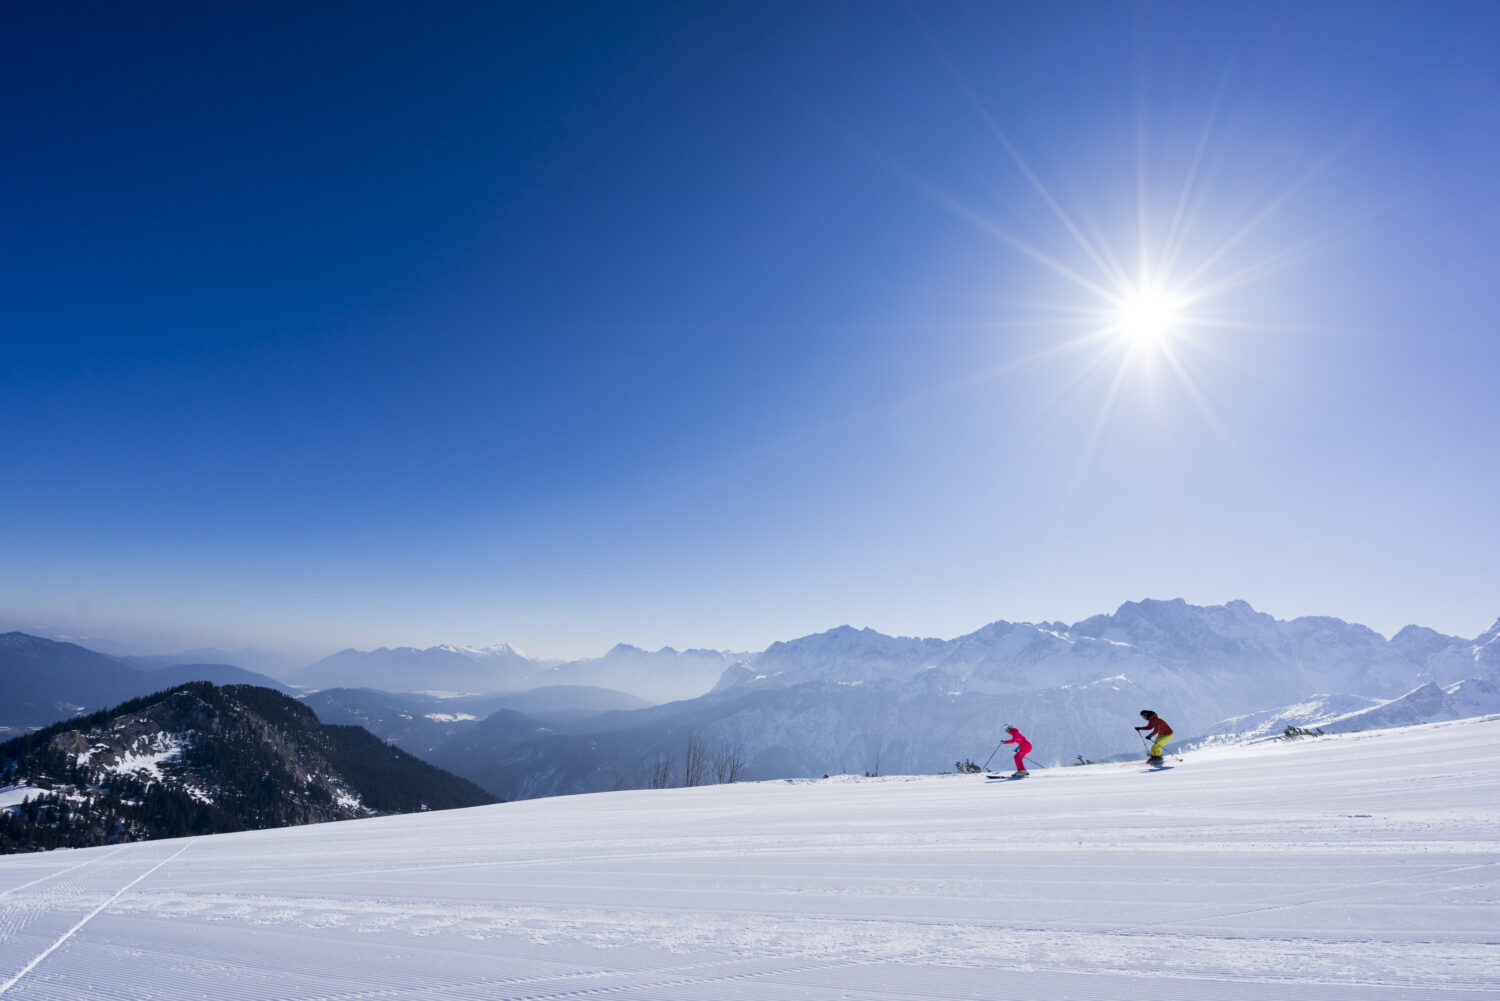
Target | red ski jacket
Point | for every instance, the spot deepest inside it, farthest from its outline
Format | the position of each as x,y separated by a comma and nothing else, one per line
1157,727
1023,746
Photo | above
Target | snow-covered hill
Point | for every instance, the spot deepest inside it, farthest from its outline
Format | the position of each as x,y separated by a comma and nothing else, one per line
1429,703
1352,868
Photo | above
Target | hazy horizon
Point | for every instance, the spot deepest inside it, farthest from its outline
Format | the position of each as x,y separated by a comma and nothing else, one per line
143,645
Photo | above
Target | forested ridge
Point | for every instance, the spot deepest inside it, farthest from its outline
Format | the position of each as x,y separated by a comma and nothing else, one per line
203,759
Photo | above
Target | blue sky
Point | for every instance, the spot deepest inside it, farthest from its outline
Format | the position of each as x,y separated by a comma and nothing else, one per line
712,325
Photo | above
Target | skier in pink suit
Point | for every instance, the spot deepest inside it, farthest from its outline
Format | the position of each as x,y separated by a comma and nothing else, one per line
1023,748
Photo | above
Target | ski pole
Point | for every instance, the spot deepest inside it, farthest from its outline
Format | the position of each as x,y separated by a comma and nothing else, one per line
993,753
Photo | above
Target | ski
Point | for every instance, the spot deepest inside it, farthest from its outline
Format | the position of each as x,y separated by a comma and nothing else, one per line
1134,763
1003,778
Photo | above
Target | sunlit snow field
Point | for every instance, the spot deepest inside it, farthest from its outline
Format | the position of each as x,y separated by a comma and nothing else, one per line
1361,866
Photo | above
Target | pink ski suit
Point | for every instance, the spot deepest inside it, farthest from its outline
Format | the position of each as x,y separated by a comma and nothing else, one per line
1023,746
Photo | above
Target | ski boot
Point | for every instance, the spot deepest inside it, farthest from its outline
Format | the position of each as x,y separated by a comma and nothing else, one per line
1019,774
1155,759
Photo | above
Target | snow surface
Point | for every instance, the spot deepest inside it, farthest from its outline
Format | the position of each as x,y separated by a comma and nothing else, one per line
147,766
1359,866
16,795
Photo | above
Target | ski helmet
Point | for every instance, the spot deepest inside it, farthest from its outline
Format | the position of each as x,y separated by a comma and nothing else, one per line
1147,713
1010,729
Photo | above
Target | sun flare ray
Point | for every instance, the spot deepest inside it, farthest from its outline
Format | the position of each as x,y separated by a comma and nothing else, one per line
969,215
1020,162
1182,220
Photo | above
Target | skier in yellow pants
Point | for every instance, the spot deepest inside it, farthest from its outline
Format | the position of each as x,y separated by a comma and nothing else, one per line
1159,729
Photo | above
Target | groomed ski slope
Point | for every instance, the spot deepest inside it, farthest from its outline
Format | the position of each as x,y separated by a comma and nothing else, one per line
1353,867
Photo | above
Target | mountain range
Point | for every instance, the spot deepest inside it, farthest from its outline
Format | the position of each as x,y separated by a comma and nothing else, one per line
858,700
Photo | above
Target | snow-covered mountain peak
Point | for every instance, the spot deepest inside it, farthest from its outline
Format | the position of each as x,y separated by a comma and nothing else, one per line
1415,634
1170,628
1420,644
998,630
846,638
497,651
848,654
1486,653
1219,659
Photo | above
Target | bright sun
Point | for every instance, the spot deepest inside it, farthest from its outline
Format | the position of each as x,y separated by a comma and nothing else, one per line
1147,317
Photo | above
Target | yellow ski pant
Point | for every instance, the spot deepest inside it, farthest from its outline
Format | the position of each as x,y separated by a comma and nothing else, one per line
1159,743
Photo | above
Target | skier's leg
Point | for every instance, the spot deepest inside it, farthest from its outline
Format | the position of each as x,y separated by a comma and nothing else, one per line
1161,742
1020,762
